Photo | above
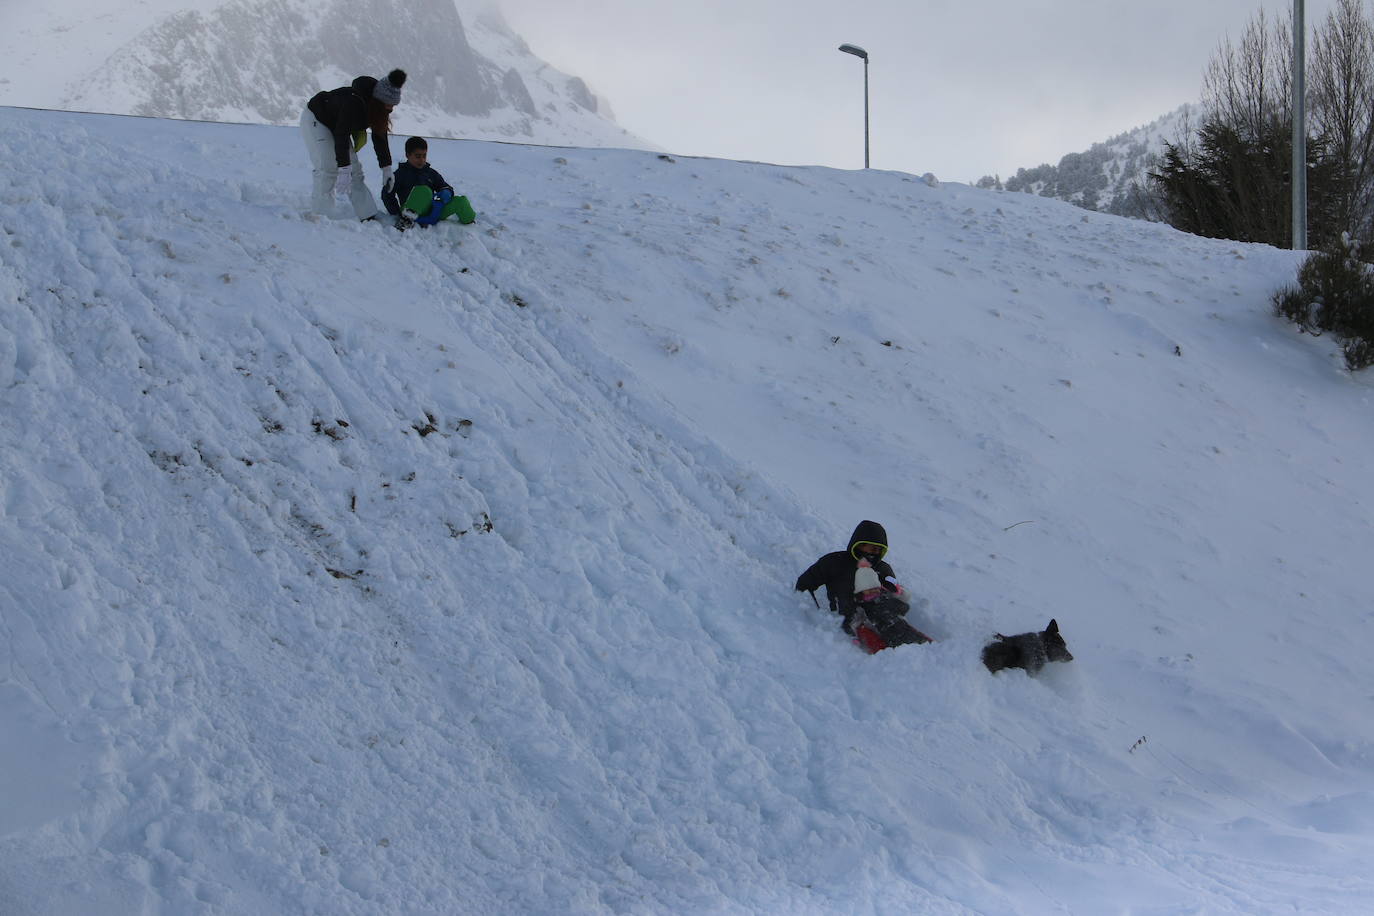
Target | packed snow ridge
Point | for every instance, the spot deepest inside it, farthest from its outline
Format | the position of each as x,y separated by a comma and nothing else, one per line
358,572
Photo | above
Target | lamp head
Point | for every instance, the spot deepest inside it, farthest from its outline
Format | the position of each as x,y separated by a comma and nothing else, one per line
855,50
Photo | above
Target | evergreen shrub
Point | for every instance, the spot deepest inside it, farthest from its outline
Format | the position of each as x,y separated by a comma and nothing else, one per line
1335,295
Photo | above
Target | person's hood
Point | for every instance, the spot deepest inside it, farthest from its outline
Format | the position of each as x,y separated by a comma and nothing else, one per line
868,532
364,85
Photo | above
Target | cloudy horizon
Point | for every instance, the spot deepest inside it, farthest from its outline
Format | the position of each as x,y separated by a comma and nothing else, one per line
957,89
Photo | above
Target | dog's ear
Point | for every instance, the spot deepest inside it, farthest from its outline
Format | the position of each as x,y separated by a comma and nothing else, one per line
1053,627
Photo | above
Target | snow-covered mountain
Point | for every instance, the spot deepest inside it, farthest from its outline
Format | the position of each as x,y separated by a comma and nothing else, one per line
1108,175
362,573
257,61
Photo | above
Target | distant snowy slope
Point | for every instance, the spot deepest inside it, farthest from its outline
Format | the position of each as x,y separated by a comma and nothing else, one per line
257,61
1110,175
46,48
358,572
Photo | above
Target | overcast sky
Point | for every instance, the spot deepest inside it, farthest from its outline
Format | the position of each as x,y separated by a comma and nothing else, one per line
961,88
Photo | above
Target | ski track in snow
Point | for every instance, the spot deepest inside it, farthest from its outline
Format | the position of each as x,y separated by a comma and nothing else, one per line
353,571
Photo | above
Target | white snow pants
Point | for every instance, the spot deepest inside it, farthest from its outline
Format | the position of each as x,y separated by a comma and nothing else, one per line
319,143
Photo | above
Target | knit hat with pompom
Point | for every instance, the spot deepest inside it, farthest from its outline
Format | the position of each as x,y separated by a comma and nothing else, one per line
865,578
388,90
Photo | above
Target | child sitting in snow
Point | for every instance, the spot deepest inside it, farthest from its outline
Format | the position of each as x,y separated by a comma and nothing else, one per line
836,570
419,196
878,621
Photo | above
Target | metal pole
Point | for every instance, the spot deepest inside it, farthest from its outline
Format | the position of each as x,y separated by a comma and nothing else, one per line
866,110
860,52
1299,130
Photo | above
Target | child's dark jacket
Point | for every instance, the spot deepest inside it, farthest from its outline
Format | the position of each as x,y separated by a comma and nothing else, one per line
836,570
406,179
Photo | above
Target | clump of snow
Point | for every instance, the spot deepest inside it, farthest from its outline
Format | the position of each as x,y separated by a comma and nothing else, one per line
353,571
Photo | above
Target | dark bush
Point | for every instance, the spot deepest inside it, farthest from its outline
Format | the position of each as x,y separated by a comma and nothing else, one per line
1335,294
1225,184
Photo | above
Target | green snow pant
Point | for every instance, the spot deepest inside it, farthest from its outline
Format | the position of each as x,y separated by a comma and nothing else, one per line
421,199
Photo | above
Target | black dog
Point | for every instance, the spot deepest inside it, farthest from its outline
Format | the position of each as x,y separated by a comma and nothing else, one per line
1027,650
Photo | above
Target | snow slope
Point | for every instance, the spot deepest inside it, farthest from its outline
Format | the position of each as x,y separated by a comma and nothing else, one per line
358,572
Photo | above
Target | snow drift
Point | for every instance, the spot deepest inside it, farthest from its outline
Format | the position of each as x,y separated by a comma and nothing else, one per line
450,572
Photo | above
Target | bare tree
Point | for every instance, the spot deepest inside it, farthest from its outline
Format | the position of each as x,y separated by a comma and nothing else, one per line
1232,179
1341,87
1249,87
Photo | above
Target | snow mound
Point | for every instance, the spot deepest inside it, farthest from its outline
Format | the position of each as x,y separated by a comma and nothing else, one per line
353,571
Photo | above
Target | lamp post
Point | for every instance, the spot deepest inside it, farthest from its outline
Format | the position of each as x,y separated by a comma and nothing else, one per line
1299,131
861,53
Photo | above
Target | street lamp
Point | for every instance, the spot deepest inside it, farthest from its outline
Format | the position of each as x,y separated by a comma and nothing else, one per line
860,52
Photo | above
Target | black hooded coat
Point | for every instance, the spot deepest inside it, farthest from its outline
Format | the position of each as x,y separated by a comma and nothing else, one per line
344,112
836,570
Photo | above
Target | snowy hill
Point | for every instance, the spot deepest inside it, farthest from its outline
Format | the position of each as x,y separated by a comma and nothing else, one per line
258,61
1108,176
357,572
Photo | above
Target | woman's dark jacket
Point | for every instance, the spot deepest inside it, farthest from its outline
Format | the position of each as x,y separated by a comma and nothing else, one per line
836,570
407,179
344,112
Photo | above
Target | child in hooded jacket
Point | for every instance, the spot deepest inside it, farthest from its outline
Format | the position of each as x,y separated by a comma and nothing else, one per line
419,195
836,570
860,586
